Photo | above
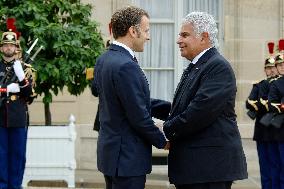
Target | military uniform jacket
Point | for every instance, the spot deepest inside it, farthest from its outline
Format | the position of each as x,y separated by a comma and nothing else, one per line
127,131
260,91
13,108
276,93
202,127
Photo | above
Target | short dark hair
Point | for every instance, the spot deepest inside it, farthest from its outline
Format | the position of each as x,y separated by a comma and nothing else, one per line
124,18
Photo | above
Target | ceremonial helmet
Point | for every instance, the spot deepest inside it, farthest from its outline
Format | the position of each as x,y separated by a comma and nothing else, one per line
279,58
270,60
11,36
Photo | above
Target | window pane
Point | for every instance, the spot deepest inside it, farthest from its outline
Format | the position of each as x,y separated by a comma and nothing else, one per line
157,8
159,51
161,84
210,6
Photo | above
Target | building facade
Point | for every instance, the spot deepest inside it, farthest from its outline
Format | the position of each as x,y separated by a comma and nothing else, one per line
245,27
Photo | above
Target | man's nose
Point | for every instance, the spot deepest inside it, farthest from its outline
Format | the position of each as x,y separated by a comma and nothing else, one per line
178,40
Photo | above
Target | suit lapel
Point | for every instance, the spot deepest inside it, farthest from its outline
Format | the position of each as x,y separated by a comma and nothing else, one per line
182,80
183,85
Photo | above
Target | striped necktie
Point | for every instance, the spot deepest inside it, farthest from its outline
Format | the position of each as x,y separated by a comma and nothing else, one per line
183,77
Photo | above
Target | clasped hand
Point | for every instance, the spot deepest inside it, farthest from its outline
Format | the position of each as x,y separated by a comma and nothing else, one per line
159,124
13,88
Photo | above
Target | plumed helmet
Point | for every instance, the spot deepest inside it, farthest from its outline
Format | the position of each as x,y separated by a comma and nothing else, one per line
9,37
12,35
270,61
279,58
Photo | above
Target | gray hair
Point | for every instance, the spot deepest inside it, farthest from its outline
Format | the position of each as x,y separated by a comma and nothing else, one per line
203,22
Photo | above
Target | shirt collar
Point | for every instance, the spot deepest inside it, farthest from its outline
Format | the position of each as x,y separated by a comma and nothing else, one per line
124,46
199,55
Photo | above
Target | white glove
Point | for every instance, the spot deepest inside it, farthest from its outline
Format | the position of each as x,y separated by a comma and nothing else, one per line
13,88
19,70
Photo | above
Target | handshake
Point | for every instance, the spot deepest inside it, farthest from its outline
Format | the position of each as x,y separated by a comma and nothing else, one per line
159,124
281,106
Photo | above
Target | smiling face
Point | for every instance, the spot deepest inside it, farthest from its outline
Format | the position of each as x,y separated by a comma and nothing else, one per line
191,44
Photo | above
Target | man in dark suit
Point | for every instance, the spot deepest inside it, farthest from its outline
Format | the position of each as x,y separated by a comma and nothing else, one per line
206,150
127,132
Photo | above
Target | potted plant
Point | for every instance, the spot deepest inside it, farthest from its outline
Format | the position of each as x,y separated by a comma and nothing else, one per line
70,39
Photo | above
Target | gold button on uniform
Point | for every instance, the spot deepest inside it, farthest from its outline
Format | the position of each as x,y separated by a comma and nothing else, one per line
13,97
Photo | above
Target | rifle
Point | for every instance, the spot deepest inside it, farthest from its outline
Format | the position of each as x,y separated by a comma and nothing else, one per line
27,58
28,53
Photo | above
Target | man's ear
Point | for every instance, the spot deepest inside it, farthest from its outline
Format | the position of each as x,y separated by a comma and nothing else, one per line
205,36
132,31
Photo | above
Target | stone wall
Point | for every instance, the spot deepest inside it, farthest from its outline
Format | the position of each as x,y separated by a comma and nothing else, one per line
249,25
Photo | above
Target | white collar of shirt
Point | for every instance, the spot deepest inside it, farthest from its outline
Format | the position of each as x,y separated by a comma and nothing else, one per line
124,46
199,55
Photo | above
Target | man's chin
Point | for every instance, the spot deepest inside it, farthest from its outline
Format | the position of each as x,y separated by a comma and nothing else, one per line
182,54
138,50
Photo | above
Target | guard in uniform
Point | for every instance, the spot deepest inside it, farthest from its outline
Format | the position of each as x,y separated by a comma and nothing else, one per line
15,91
258,107
275,99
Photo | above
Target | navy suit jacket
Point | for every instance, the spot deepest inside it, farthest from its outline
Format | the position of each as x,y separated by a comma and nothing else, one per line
127,131
202,127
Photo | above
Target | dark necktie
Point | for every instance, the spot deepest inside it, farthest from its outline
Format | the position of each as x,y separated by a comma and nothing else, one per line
186,72
183,77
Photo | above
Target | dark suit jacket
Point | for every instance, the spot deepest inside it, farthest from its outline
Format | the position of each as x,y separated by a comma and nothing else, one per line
202,127
127,131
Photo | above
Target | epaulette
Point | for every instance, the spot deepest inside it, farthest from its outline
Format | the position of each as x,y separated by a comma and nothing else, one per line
253,104
256,82
276,106
275,78
264,103
30,73
28,65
